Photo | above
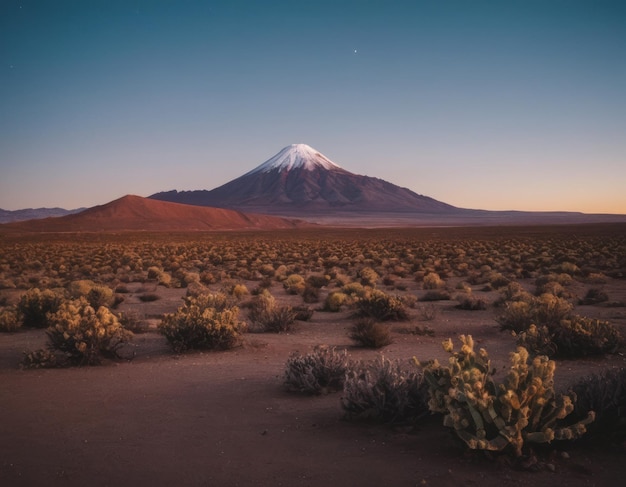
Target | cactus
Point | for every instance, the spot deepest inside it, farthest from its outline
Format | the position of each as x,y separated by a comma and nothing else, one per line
489,416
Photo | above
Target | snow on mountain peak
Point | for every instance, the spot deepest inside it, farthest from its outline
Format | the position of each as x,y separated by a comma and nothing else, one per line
296,156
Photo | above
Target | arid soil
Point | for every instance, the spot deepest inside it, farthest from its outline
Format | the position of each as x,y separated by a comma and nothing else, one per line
224,419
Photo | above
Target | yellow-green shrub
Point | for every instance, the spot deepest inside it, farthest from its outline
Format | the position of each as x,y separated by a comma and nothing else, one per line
9,319
84,334
35,305
203,323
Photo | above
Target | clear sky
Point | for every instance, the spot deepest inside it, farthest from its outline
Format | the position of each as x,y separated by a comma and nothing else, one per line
481,104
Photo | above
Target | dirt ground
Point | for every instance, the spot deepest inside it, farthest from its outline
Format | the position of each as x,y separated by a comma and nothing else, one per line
224,419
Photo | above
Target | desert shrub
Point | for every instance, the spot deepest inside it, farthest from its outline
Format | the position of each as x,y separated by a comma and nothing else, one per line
239,291
294,284
354,290
42,358
266,315
9,319
162,277
537,340
547,309
381,306
594,296
605,394
367,332
311,294
485,415
513,292
203,323
553,288
34,307
334,301
131,322
96,294
383,391
497,280
85,335
368,276
417,330
471,303
436,295
303,313
319,372
317,281
217,301
432,280
579,336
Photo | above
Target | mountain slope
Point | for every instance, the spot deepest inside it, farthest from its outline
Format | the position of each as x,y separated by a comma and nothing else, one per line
300,179
134,213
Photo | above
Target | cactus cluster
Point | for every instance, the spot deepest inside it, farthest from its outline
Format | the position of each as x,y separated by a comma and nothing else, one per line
486,415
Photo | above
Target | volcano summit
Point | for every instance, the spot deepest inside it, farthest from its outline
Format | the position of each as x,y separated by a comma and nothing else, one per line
301,181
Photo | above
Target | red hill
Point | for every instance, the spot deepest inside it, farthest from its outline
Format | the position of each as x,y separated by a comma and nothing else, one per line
134,213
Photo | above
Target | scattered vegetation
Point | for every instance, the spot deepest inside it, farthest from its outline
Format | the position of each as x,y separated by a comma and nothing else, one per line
204,322
86,335
319,372
605,394
367,332
382,390
266,315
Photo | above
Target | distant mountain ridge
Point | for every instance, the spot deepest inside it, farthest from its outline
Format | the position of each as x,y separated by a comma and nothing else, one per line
299,178
7,216
135,213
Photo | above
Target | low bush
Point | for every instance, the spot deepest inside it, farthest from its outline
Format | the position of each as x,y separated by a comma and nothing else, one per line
505,416
594,296
471,303
368,276
367,332
545,310
294,284
605,394
34,307
319,372
579,336
433,281
334,301
436,295
574,337
86,335
203,323
96,294
381,306
9,320
383,391
42,358
266,315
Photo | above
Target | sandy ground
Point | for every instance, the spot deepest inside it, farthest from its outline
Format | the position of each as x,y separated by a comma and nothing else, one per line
223,418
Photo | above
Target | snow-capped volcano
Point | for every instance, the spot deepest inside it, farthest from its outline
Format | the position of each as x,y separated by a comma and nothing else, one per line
296,156
300,181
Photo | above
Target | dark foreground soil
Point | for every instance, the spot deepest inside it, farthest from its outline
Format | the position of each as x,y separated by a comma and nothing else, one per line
224,419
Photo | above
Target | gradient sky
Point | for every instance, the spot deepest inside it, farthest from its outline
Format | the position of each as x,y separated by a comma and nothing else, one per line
481,104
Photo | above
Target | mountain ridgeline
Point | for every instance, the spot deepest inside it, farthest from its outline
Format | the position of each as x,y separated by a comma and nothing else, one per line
299,180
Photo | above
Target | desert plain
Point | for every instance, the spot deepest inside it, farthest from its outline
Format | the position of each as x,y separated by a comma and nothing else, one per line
224,418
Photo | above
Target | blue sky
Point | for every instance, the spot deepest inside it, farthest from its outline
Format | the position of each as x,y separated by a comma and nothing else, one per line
481,104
